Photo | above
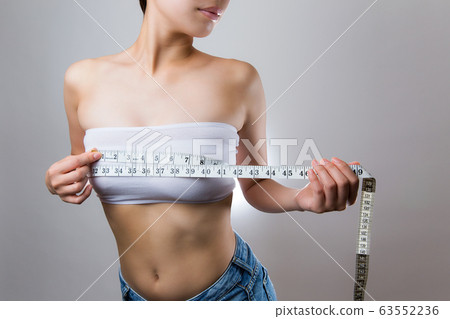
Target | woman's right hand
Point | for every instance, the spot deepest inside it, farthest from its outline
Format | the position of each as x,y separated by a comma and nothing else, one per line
68,176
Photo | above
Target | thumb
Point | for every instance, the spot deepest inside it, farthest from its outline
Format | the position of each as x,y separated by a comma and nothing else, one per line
96,154
354,163
90,157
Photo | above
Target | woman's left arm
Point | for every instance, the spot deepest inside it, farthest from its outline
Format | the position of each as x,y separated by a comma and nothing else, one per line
334,187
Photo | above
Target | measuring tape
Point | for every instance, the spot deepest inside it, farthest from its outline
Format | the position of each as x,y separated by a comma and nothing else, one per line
362,249
116,163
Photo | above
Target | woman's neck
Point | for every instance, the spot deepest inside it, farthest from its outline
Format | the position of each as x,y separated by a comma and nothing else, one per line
160,47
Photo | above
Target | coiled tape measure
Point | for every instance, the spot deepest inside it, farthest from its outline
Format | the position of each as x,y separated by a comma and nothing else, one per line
122,163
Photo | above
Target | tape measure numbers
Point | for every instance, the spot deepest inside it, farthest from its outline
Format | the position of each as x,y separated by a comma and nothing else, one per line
116,163
121,163
363,246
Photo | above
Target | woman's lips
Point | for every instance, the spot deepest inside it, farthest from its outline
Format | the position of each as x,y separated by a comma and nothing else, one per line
209,14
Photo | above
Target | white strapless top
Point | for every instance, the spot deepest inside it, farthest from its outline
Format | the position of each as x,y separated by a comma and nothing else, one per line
214,140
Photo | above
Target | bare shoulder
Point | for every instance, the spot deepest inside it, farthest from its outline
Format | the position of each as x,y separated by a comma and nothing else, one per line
78,77
243,77
79,71
244,83
78,80
248,82
243,71
81,74
235,70
87,66
81,77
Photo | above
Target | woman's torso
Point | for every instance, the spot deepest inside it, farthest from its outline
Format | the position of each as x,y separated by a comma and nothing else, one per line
168,251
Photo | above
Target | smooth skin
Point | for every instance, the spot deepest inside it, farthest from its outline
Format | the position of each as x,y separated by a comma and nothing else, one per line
189,246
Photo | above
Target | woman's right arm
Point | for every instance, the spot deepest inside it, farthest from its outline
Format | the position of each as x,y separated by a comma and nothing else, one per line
68,176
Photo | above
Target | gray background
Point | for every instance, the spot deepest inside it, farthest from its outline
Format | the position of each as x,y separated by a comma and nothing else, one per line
379,95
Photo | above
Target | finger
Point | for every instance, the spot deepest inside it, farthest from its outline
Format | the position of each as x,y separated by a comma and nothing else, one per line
60,181
351,176
318,200
78,199
74,176
73,188
329,185
74,161
342,184
354,163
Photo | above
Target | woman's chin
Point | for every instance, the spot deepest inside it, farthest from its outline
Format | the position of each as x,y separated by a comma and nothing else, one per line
202,33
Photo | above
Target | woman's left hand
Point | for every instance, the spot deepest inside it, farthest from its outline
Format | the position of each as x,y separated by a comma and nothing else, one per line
336,185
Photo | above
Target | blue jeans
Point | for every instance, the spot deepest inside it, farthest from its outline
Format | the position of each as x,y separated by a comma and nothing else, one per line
244,279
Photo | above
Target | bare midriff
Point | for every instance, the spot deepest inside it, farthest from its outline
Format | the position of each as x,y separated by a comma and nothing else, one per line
172,251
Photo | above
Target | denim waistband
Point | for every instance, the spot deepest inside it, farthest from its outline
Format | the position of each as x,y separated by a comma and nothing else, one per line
243,264
125,288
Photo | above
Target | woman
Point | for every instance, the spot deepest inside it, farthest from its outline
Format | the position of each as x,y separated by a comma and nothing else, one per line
190,251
